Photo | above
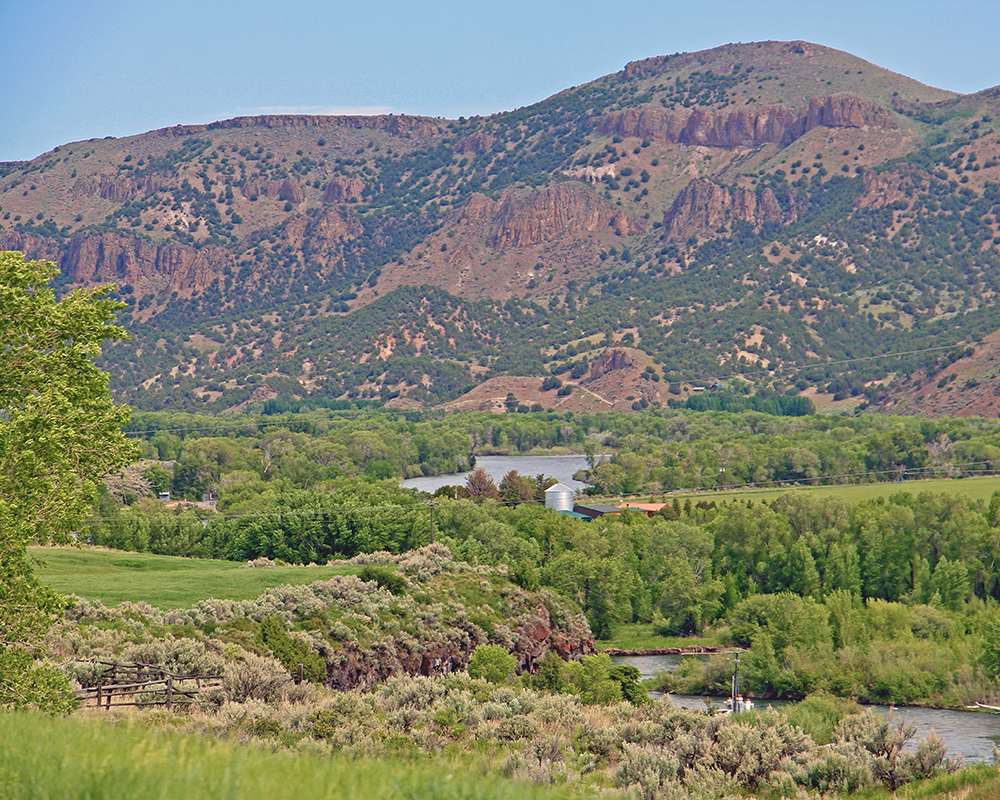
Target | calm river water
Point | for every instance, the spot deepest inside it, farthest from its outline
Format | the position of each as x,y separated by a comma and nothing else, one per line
561,468
969,733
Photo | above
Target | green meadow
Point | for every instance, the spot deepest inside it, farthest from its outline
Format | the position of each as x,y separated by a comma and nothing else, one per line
167,582
979,488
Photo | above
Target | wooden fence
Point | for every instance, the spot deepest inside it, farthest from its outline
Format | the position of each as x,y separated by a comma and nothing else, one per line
141,685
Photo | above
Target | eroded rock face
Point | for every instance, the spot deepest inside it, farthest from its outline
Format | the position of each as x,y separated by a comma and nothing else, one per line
343,190
116,188
476,214
475,143
534,635
881,189
704,207
332,227
524,219
743,128
34,247
113,257
609,361
287,189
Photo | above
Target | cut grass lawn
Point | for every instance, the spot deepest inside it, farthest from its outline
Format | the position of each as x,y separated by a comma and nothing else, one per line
114,576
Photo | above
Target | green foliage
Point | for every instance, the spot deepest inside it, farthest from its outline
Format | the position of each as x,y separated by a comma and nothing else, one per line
59,433
628,678
591,680
548,675
778,405
990,657
385,577
820,714
492,663
273,635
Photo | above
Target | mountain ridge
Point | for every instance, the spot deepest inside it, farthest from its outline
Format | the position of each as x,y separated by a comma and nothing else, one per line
775,204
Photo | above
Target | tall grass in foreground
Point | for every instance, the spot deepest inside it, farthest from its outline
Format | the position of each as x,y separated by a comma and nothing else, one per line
977,782
43,758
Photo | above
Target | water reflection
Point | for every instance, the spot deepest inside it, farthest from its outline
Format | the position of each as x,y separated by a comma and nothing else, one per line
969,733
562,468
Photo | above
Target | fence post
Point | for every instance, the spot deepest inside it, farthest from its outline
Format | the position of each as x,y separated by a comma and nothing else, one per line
170,689
98,697
299,674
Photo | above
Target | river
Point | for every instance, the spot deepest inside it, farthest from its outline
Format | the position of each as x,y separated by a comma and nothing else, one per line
562,468
972,734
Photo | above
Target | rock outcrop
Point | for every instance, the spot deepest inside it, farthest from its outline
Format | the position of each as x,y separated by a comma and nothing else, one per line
743,128
114,257
343,190
703,208
476,215
475,143
286,189
356,666
116,188
402,125
331,228
34,247
609,361
527,218
881,189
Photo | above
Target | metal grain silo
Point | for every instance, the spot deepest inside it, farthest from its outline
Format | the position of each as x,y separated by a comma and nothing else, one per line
560,497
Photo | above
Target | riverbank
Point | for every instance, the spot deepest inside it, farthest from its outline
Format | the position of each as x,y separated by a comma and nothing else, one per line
689,650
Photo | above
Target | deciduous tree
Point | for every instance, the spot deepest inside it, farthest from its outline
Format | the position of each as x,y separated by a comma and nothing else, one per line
59,434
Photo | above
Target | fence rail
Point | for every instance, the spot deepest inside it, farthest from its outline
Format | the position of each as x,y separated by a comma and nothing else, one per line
141,685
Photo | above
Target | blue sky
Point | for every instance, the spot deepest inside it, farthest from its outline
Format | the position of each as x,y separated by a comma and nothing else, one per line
76,70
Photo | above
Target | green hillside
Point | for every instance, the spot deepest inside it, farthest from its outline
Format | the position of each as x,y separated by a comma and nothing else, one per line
778,211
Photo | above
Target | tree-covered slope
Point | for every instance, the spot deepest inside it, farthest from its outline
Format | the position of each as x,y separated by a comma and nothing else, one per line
773,210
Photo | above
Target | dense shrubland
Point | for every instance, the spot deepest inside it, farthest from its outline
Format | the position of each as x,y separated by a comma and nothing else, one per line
885,600
898,593
421,612
653,749
582,723
424,734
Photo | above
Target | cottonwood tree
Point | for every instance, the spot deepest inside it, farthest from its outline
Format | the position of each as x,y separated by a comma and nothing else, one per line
59,434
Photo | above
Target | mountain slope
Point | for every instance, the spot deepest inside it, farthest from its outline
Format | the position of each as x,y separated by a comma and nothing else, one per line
760,210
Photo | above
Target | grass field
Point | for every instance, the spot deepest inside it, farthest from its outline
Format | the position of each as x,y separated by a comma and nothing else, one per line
85,758
974,488
641,636
42,758
166,582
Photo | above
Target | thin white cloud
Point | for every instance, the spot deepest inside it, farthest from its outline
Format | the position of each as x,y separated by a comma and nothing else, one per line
352,111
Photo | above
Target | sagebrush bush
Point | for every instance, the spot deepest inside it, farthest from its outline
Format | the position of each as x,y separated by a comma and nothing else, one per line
254,678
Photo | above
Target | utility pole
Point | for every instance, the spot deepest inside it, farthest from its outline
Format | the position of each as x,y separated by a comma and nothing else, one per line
736,683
